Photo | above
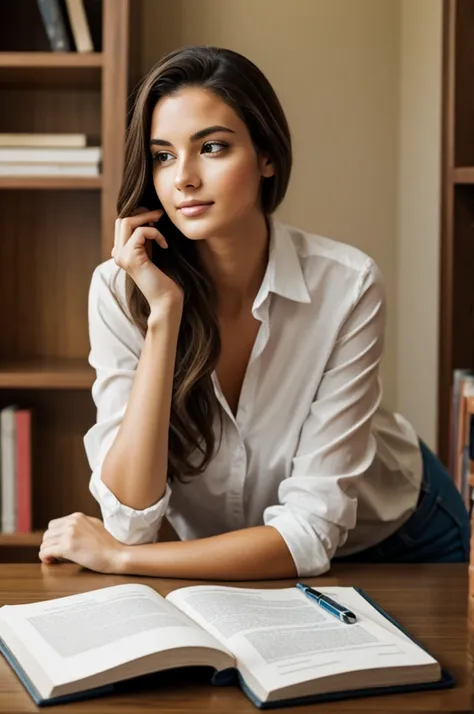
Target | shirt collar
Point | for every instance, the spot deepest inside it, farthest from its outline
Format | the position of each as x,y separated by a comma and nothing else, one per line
284,275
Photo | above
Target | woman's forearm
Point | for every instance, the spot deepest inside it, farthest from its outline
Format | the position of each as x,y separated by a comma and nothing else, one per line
135,467
258,553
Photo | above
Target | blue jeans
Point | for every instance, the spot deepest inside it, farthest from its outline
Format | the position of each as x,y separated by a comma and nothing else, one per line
437,532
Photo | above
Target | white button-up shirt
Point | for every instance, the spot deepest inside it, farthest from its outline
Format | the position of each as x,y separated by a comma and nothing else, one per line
310,451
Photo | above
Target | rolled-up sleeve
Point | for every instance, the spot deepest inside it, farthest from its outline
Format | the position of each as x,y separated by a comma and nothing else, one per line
116,345
318,502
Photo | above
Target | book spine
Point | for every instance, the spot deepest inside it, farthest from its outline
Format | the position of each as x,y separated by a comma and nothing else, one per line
79,25
69,170
23,470
7,421
471,594
42,155
54,25
24,140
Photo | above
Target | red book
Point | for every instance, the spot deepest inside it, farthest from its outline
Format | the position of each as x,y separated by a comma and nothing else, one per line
23,470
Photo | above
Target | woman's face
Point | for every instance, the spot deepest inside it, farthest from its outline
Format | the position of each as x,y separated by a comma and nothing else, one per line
220,167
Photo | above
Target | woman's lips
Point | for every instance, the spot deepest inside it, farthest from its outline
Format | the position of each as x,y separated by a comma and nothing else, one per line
195,210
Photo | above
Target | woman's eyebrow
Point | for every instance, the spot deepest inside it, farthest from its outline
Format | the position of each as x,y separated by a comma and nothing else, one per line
194,137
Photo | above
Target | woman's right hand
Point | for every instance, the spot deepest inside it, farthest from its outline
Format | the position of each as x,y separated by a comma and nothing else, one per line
132,253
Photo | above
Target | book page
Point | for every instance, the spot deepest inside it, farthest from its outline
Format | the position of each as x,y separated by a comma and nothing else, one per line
357,603
283,638
80,635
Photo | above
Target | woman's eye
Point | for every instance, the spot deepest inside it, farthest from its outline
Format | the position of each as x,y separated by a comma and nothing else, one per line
215,143
158,158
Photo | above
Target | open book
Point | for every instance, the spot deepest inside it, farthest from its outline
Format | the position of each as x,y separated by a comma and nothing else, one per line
278,645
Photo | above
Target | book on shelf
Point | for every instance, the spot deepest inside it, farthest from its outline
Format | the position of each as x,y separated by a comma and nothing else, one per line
79,25
55,25
15,469
37,170
58,161
23,470
66,25
278,646
24,139
461,447
8,463
42,155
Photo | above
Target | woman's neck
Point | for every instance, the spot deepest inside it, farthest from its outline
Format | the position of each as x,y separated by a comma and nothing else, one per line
236,265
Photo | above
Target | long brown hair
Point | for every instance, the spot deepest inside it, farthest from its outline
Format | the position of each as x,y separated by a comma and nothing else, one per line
239,83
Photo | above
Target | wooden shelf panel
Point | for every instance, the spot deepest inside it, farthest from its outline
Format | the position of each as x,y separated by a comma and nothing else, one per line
18,540
20,547
51,69
51,374
51,182
40,60
463,174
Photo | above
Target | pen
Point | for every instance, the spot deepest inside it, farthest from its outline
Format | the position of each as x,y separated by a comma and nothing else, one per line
328,604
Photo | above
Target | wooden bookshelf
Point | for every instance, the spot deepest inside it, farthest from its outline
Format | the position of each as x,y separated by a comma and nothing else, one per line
456,341
55,231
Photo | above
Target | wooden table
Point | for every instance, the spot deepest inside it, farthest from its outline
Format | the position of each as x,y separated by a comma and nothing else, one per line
429,600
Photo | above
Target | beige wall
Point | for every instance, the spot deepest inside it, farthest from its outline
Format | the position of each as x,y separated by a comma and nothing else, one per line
335,65
419,217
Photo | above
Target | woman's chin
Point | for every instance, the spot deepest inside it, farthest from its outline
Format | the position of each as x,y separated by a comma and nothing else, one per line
197,228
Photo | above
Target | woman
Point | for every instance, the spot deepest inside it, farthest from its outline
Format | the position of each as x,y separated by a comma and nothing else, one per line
237,361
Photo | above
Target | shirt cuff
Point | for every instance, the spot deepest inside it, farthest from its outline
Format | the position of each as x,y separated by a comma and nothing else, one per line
126,524
309,554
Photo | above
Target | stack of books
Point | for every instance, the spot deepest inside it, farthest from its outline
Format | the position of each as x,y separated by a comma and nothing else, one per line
48,155
15,469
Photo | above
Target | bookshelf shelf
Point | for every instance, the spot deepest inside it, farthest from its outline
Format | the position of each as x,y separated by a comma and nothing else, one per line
55,374
52,60
463,174
25,70
51,182
15,540
20,547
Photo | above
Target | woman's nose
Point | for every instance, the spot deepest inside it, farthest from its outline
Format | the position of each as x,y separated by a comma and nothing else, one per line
186,176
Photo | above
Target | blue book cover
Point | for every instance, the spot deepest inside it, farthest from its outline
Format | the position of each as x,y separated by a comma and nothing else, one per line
55,25
228,677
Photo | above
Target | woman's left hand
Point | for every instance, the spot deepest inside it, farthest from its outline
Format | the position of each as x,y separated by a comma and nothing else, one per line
83,540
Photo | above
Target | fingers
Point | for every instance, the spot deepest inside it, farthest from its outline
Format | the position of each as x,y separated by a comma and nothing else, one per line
59,522
144,233
62,535
134,231
128,256
50,556
126,226
56,539
51,550
143,209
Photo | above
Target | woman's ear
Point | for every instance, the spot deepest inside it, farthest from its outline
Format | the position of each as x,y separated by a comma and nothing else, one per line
266,166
